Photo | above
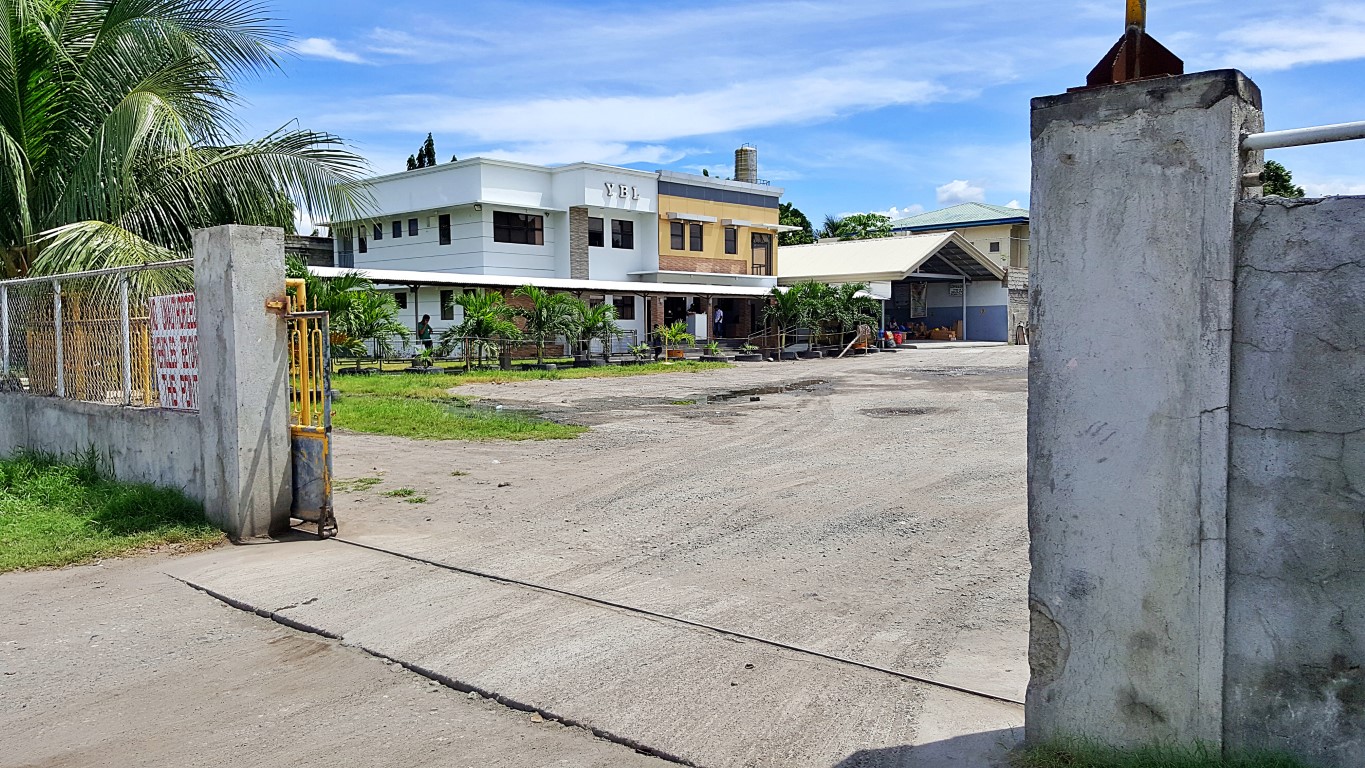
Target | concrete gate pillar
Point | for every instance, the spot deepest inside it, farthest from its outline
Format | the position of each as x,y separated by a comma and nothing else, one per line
243,378
1133,194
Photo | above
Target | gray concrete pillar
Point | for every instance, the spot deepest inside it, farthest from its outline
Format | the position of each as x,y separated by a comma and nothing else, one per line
243,378
578,243
1132,265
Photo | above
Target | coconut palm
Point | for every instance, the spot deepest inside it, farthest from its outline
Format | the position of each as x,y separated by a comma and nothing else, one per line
487,321
596,322
848,306
676,334
117,138
549,315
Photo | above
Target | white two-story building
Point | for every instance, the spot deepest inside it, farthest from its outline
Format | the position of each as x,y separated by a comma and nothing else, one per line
601,232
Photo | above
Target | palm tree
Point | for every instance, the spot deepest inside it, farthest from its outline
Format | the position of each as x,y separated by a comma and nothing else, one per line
117,138
848,306
676,334
356,312
831,226
786,309
487,321
596,322
549,315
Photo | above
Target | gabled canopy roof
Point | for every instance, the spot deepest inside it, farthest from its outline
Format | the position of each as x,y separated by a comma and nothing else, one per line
886,258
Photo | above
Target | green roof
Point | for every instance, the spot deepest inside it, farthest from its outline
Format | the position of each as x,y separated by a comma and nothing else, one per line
962,213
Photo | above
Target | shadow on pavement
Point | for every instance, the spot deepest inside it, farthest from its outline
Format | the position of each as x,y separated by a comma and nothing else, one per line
987,749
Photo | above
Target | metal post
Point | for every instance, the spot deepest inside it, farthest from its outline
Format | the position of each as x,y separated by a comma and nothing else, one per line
127,342
57,334
4,330
964,310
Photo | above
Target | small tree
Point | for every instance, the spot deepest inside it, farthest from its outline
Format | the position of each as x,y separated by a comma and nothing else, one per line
487,321
847,306
831,226
1279,180
412,162
429,152
596,322
792,216
549,315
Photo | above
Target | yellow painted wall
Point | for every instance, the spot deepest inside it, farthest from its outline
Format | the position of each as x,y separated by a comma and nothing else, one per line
713,235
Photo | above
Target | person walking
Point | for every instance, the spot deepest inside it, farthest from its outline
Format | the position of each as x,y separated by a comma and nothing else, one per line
719,323
424,331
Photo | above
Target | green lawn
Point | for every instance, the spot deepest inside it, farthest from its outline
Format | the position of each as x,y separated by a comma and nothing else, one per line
55,513
1081,753
419,405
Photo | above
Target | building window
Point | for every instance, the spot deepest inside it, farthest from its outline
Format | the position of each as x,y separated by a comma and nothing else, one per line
448,305
398,229
401,299
676,236
412,227
763,250
379,232
520,228
595,232
444,222
363,245
995,247
345,248
731,240
625,307
623,234
694,237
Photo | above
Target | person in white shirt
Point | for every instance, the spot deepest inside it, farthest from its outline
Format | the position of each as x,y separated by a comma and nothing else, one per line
719,324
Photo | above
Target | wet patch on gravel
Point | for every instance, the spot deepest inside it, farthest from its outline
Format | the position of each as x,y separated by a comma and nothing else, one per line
808,385
886,413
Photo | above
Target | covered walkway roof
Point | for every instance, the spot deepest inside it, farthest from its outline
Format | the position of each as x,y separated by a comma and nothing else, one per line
945,255
414,277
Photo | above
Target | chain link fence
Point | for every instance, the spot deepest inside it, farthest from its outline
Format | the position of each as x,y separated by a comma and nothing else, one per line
124,336
479,352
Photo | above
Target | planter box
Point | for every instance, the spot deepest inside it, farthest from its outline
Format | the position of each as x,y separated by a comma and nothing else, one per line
754,358
416,369
789,356
542,367
716,359
813,354
676,354
589,363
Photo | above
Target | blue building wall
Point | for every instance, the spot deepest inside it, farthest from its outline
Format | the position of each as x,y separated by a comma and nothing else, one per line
989,323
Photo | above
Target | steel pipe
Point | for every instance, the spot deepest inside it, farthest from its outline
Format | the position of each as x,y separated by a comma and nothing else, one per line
4,330
57,335
125,337
1298,137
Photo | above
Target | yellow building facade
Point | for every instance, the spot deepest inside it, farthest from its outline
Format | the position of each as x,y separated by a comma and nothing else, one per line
717,226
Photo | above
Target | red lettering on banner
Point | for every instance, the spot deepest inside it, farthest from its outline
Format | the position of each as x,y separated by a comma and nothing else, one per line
175,350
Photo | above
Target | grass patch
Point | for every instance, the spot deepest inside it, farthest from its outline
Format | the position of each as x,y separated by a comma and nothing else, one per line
682,402
459,473
416,500
357,485
1083,753
429,420
400,493
56,512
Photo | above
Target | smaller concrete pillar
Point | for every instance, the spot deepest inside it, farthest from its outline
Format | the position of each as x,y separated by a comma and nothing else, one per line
711,318
243,378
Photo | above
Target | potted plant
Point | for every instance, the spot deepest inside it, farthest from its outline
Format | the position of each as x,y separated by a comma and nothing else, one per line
641,352
676,335
595,322
547,315
422,362
712,353
748,353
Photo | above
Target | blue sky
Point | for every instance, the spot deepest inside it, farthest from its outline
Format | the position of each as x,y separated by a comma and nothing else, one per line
854,105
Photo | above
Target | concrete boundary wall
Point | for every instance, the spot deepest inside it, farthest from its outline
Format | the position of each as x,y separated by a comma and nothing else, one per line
1296,505
233,454
139,445
1196,433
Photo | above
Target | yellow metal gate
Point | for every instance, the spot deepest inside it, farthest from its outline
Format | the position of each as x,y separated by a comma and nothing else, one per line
310,413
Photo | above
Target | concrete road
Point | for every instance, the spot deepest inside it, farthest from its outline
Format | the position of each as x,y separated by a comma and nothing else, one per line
875,512
119,665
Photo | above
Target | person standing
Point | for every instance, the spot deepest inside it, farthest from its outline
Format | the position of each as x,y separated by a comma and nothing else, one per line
424,331
719,323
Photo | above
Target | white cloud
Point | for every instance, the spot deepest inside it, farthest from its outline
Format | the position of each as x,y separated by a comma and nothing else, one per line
959,191
1336,32
639,118
610,153
1013,204
1332,187
322,48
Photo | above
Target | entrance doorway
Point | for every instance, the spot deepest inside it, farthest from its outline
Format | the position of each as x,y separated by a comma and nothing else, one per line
675,309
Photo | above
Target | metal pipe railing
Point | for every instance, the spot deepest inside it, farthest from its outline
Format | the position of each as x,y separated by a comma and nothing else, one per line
150,266
1298,137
